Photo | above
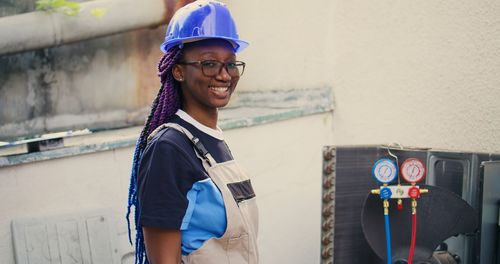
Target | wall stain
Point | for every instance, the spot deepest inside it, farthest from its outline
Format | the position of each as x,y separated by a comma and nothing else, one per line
11,7
43,79
93,84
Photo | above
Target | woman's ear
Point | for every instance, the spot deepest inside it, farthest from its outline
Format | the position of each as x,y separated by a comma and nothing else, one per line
178,73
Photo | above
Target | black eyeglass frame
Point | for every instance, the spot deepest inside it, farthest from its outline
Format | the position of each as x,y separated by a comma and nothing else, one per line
222,64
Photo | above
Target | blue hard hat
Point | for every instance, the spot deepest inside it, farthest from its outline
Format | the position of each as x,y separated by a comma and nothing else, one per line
202,20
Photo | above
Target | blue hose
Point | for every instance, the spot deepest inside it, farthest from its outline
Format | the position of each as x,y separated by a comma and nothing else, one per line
388,238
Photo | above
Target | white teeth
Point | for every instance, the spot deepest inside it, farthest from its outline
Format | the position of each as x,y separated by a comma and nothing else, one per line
219,89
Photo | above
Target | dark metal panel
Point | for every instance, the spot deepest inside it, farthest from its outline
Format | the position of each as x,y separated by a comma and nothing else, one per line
460,173
353,181
490,212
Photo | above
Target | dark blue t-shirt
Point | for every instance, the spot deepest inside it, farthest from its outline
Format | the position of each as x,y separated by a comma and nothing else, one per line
174,190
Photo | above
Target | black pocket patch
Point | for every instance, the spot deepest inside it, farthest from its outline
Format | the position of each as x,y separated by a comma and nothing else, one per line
241,190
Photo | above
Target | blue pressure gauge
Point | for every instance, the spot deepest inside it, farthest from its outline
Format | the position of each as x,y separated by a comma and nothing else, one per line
385,170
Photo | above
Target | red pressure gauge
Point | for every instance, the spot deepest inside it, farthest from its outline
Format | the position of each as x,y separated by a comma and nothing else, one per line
413,170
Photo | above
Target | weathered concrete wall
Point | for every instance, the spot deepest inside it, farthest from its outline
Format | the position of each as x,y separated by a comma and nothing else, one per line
10,7
99,83
283,159
94,84
102,83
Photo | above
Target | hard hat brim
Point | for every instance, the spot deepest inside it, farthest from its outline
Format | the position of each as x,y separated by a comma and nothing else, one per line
238,44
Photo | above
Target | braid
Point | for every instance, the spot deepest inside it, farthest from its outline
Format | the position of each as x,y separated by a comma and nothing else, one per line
164,106
168,109
168,97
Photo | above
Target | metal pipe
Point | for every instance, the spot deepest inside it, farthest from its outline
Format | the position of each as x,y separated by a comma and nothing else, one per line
40,29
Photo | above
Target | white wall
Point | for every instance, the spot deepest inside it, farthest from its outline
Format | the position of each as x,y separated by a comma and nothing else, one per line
283,158
423,73
63,186
287,43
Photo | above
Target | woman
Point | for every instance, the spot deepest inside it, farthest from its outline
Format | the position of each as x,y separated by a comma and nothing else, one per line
193,203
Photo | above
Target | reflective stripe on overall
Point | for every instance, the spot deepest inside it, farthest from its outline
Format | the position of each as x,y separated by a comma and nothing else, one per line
238,244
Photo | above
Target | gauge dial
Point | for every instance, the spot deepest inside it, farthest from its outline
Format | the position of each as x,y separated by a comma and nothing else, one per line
413,170
385,170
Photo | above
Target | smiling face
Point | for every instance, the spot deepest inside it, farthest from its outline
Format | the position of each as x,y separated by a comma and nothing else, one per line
200,92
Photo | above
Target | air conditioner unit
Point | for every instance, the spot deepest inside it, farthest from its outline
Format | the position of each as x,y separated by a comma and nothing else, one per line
347,181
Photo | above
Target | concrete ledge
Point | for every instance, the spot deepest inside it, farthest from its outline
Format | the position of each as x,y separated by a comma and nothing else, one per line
251,109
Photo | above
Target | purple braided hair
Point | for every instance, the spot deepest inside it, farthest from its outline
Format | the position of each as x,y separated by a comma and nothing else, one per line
164,107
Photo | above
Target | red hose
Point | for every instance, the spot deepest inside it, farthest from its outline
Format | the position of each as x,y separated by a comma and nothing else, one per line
413,236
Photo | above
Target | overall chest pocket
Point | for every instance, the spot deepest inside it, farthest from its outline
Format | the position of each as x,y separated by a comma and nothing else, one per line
241,191
244,196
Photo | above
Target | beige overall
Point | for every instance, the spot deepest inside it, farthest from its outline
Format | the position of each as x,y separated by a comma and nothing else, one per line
238,244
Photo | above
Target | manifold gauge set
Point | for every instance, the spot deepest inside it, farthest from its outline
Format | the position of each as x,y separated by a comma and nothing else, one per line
386,171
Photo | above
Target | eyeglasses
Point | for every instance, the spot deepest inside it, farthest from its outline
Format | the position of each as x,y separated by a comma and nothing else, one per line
212,68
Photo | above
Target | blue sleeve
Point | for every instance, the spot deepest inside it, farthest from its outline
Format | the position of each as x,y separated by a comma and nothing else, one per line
165,177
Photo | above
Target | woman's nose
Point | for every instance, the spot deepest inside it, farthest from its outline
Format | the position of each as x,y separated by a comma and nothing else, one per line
223,74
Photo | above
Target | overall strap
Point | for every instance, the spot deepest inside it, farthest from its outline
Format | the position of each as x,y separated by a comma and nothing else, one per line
200,150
